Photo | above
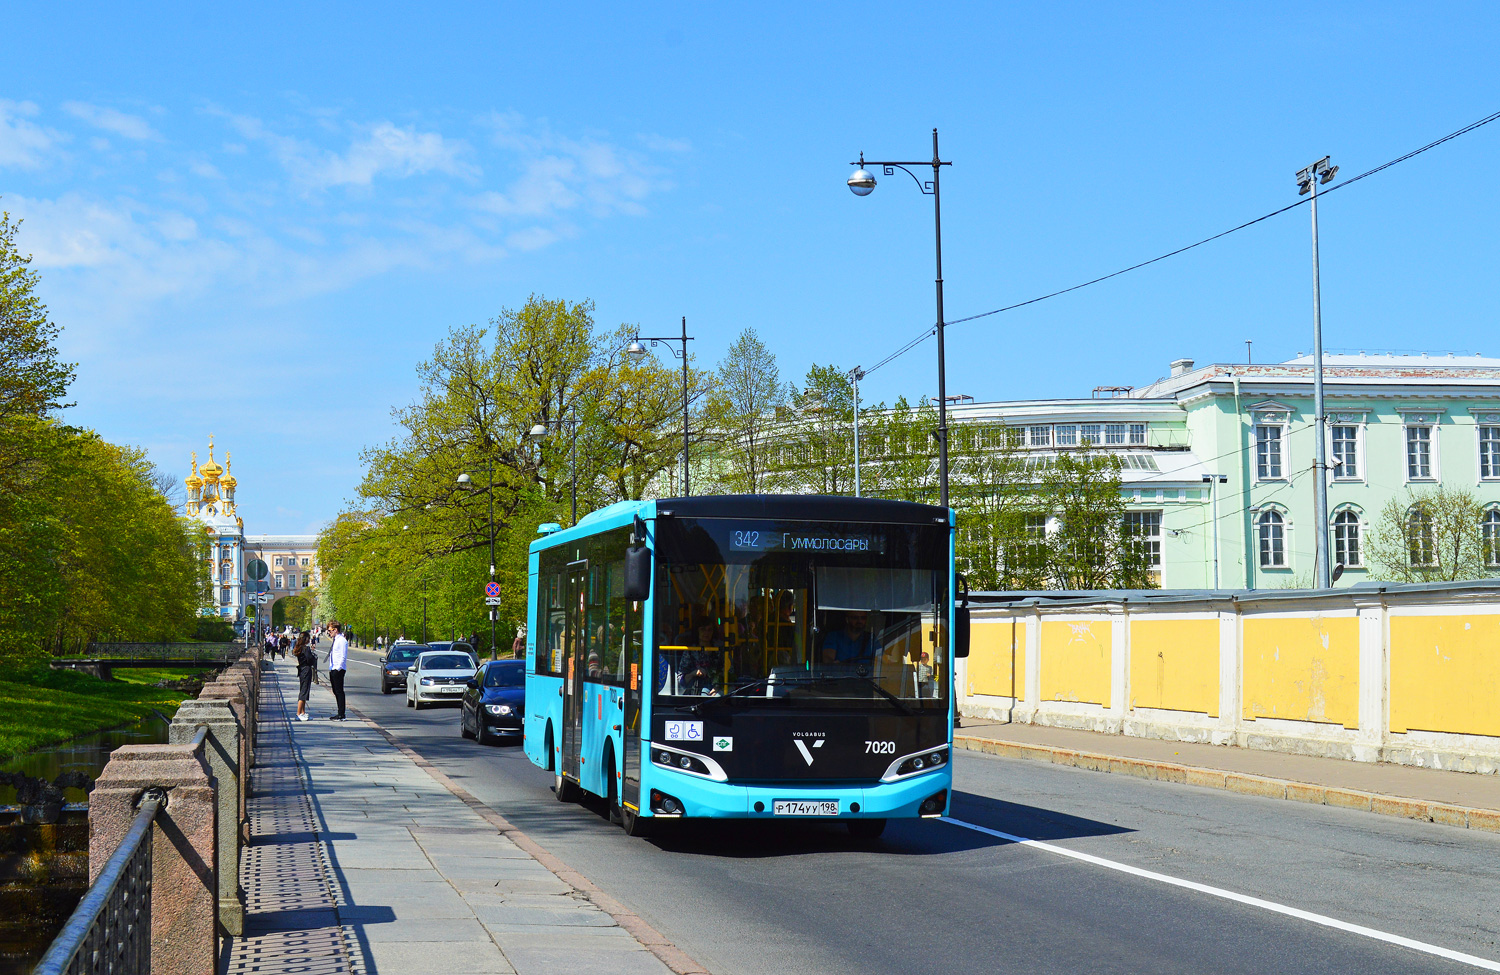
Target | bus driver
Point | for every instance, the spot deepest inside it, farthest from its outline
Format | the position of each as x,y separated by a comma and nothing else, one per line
853,643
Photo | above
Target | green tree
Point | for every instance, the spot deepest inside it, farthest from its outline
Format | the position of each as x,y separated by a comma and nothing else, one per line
1093,545
1429,535
33,382
749,392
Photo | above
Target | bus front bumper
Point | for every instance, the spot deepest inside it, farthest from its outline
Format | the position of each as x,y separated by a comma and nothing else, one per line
707,799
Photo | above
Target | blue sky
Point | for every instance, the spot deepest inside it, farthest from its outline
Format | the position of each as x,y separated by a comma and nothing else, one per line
255,224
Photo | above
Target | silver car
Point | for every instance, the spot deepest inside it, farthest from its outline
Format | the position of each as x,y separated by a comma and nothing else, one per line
439,676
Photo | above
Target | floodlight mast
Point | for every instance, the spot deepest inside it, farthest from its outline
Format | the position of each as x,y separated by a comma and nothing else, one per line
1308,181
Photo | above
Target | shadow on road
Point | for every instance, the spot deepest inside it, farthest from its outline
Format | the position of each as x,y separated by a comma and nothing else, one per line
760,838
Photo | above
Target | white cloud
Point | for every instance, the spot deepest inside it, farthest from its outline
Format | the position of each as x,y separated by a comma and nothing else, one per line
561,174
388,149
382,149
112,120
22,142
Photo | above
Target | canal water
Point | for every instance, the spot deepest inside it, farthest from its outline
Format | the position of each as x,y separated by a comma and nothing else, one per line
44,870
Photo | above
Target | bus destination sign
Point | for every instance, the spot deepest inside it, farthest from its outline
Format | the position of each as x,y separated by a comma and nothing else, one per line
757,540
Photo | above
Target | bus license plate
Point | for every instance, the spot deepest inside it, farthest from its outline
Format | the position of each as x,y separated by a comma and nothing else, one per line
803,807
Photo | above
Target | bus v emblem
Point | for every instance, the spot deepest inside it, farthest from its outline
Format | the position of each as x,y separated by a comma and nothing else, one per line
802,747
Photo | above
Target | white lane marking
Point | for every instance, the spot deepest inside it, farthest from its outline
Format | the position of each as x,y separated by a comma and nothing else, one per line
1229,895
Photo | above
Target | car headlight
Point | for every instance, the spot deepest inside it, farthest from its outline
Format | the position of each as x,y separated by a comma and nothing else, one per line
427,681
497,708
393,673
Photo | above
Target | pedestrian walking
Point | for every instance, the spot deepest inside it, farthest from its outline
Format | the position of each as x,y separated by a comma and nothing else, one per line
307,666
285,643
338,662
518,648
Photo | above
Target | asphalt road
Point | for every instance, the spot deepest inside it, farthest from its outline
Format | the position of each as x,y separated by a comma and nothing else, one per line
939,897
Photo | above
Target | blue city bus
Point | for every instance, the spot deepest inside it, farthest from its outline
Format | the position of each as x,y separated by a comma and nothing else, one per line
753,656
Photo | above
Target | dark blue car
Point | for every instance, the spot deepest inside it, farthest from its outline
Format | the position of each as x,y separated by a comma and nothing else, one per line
494,702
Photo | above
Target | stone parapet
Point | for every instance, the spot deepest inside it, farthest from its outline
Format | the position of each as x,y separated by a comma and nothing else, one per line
185,897
222,751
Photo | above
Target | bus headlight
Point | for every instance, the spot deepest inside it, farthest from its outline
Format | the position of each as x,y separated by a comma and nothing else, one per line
679,761
920,762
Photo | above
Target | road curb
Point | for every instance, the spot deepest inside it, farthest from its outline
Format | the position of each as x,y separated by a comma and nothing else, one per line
1445,814
651,939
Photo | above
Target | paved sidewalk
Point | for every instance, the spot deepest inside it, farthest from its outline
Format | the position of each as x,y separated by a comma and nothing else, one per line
1453,798
414,878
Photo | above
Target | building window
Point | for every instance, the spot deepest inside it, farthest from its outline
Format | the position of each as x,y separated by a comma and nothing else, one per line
1271,529
278,580
1138,434
1419,453
1067,434
1489,452
1268,452
1014,437
1346,538
1039,436
1090,434
304,560
225,598
1489,535
278,561
1346,452
304,581
1421,547
1143,530
1114,434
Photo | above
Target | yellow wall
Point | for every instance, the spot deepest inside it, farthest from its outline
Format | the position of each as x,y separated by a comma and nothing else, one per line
1305,669
990,655
1174,664
1445,674
1075,661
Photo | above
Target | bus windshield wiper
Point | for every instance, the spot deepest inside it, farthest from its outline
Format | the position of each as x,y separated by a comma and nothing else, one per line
900,706
775,678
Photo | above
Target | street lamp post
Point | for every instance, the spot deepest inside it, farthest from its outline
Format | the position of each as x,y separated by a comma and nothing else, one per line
862,182
465,483
1308,181
540,431
856,374
637,349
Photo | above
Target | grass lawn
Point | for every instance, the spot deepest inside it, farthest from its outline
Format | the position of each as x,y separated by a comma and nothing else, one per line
40,706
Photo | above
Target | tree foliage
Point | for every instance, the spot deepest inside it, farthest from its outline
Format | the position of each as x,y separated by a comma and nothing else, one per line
89,545
612,426
1429,535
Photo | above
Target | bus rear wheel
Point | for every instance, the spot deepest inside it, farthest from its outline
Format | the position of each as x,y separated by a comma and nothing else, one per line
866,829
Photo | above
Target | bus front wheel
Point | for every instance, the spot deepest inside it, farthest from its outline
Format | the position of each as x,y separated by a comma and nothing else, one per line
866,829
635,824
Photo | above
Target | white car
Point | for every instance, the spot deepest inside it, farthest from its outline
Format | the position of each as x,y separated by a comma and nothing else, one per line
439,676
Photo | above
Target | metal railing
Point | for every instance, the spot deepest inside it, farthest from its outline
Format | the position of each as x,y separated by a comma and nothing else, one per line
110,932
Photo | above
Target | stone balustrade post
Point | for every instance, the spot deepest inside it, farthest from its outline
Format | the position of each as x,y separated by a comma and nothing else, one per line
184,886
222,751
227,691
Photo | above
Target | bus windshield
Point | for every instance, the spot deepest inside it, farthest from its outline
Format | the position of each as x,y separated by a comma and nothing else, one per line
794,611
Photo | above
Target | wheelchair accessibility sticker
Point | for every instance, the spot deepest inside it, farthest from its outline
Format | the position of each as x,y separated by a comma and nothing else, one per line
684,731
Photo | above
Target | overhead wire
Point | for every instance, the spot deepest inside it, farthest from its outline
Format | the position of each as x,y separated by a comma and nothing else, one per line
929,332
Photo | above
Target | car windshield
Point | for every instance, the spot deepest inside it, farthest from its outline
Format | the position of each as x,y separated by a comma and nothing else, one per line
448,661
505,675
799,611
403,655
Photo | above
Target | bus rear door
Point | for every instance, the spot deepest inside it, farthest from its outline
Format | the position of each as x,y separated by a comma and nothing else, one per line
573,668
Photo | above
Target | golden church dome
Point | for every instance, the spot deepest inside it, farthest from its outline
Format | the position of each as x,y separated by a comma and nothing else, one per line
193,481
229,479
211,470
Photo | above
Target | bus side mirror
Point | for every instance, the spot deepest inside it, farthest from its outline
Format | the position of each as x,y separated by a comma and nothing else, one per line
637,574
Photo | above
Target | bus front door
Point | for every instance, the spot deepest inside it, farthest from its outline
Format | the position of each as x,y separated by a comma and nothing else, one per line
573,668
